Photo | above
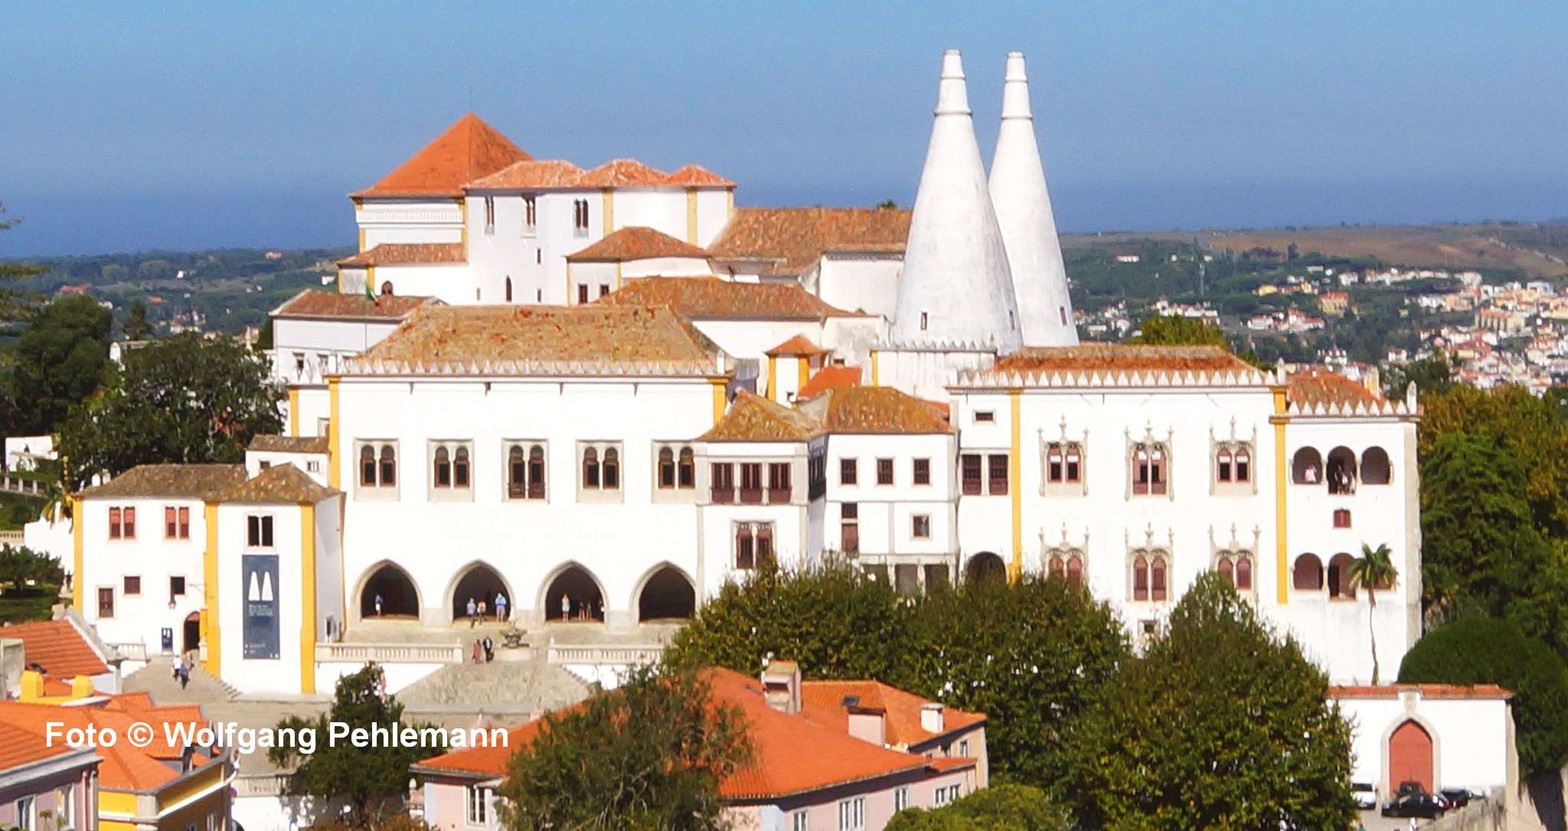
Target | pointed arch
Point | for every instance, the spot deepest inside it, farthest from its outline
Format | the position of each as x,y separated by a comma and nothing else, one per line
400,596
582,590
665,592
482,582
985,567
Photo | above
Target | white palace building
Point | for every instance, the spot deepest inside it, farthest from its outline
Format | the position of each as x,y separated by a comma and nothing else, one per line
612,390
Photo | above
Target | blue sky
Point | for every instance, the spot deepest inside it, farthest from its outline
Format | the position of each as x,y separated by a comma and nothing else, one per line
128,126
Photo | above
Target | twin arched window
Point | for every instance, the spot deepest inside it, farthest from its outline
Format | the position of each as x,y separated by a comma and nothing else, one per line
525,471
1064,463
1150,469
1233,464
1150,576
1236,566
601,468
451,467
1065,565
677,470
1308,574
377,466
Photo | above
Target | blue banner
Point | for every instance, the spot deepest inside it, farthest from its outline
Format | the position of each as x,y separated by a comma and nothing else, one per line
261,605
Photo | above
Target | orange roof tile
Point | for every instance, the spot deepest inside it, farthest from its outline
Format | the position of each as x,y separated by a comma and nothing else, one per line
418,253
318,303
1129,358
58,647
752,418
697,176
25,739
797,346
467,151
709,298
823,701
624,173
827,378
779,742
1426,691
124,766
541,174
595,336
195,481
277,485
874,410
791,239
636,243
1321,386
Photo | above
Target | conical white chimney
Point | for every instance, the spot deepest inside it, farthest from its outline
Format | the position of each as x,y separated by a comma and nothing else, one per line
1023,210
955,285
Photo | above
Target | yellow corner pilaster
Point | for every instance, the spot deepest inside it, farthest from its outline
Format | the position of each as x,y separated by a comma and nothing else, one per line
1281,483
370,280
1015,484
609,211
803,371
773,377
76,551
209,614
293,411
618,282
691,216
307,628
731,207
720,398
571,299
874,368
362,240
334,434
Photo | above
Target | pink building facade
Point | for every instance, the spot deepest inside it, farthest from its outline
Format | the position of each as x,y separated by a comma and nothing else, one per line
46,788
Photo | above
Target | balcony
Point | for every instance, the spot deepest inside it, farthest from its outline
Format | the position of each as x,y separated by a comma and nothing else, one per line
723,496
751,496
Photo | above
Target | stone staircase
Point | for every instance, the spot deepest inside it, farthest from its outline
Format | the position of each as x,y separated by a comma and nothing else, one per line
497,687
157,679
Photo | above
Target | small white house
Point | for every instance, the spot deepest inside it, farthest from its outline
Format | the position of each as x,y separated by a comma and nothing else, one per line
1440,735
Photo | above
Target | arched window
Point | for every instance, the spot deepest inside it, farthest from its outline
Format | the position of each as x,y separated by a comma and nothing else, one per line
1224,465
1150,462
612,469
1340,586
1341,471
443,468
1157,581
1140,578
1056,567
591,468
1307,467
388,466
1075,571
367,466
1063,463
1375,467
1244,572
1243,465
686,470
666,468
1307,574
1227,570
508,289
536,472
516,473
460,468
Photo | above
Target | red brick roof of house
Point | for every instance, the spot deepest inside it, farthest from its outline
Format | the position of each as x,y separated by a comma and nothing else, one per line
316,303
58,647
124,766
798,346
1321,386
875,410
1119,357
636,243
752,418
823,702
624,173
415,253
791,239
177,481
697,176
709,298
1492,691
543,174
466,151
827,378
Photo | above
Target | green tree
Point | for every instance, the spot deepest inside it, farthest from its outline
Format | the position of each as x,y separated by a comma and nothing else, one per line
1221,723
1177,330
1486,650
59,361
374,780
16,305
22,565
647,756
1373,570
182,399
1430,375
887,205
1523,427
137,327
1000,808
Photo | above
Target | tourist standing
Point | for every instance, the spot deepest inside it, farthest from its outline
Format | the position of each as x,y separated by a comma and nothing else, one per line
378,605
500,607
473,609
566,608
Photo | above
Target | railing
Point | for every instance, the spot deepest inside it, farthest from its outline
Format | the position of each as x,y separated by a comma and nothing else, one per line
273,784
389,653
130,651
599,655
11,537
28,487
751,496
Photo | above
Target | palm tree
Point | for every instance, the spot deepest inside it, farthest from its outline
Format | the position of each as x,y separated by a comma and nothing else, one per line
1373,570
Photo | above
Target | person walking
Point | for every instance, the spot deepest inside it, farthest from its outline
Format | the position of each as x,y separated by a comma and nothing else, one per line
179,663
500,607
489,649
476,651
185,674
566,607
481,608
472,610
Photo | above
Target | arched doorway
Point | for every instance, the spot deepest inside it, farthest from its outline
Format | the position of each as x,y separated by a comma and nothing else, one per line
480,583
1410,756
666,595
985,567
399,598
192,633
574,594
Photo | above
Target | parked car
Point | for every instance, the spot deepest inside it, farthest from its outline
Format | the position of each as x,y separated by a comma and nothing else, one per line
1422,805
1365,795
1457,797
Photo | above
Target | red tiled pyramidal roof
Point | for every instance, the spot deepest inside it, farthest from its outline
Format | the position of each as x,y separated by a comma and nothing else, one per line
709,298
875,410
636,243
697,176
797,346
467,151
532,173
754,418
793,238
624,173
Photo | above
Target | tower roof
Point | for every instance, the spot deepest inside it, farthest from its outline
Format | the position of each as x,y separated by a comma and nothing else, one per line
1023,211
956,285
467,151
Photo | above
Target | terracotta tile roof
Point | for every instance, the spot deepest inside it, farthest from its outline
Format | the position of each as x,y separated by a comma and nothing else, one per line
1426,691
823,702
581,340
791,239
467,151
331,304
752,418
636,243
780,742
123,766
543,174
827,378
874,410
25,739
58,647
624,173
709,298
697,176
289,444
415,253
278,485
797,346
178,481
1121,357
1320,386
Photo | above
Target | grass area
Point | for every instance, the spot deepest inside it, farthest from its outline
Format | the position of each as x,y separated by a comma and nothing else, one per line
22,605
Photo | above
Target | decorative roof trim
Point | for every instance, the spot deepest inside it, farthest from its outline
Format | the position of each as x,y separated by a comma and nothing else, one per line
1062,378
704,369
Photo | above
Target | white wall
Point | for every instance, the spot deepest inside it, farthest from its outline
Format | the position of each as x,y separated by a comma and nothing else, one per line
666,267
865,284
313,464
1472,738
280,675
926,374
409,221
713,213
749,339
106,562
321,345
662,209
886,511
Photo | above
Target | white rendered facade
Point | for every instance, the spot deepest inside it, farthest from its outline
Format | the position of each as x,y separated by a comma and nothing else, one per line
1442,736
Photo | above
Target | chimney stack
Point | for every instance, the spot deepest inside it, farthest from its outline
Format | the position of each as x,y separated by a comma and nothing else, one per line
1028,226
781,686
933,718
